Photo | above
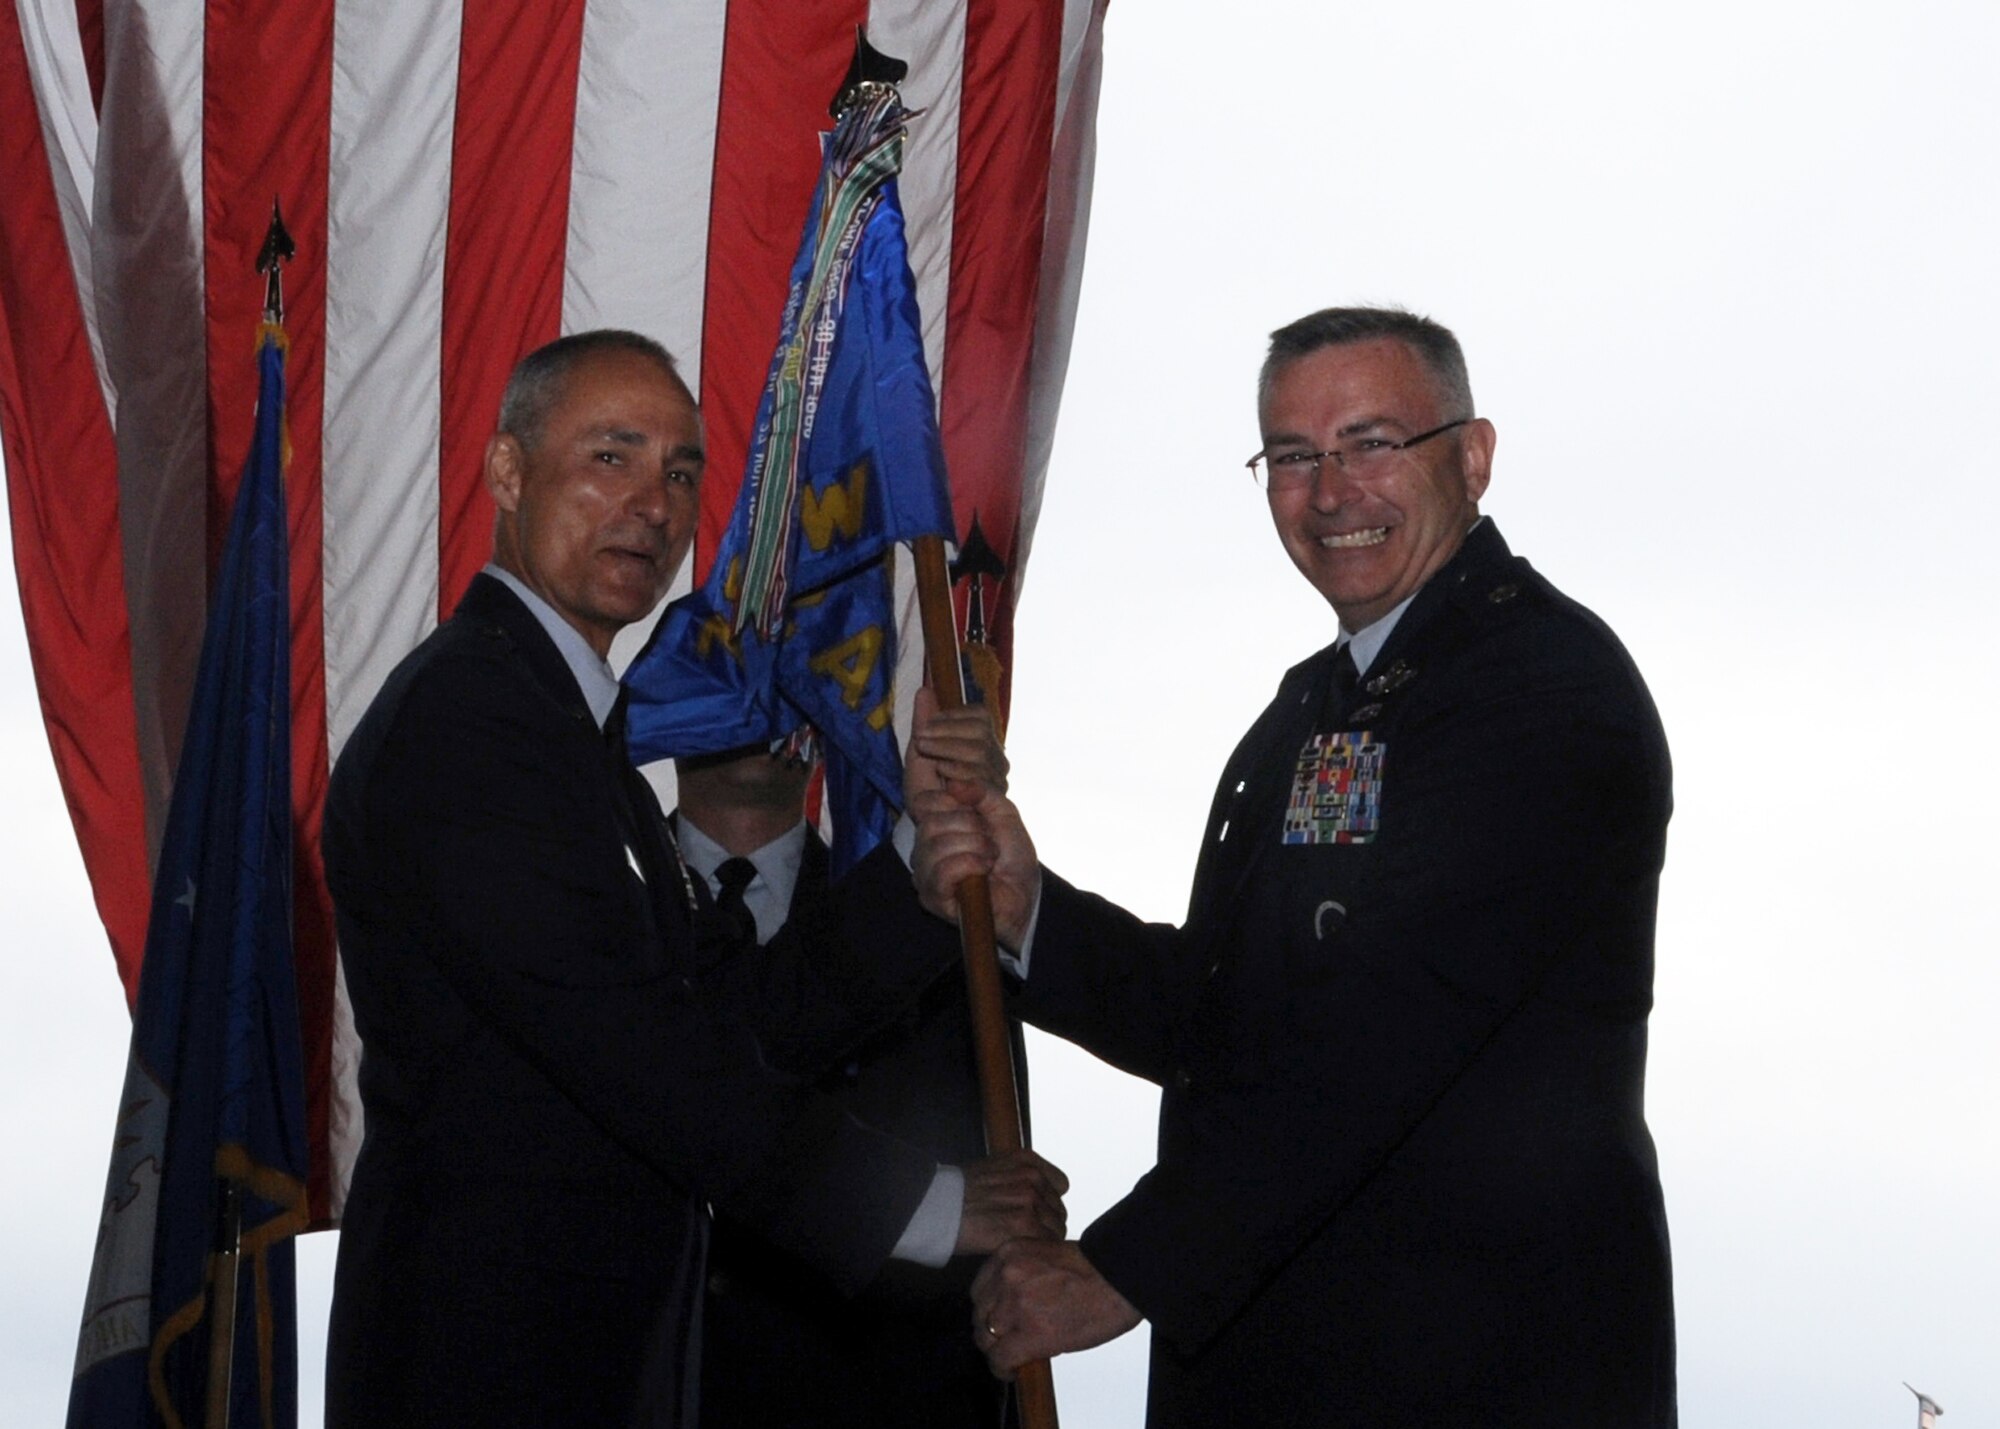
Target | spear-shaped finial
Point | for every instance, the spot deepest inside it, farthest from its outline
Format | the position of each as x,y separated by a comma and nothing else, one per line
976,559
871,72
278,249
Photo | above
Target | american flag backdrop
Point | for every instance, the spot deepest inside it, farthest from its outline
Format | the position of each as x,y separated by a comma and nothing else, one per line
466,179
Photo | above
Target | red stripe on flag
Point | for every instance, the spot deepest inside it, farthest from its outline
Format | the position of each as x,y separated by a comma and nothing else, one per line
508,227
267,94
62,486
1013,49
781,63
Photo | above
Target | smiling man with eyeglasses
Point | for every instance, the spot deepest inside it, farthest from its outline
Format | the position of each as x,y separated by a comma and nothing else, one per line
1404,1173
1372,461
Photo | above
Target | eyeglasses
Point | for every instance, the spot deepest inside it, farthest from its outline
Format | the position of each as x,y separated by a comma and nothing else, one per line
1286,471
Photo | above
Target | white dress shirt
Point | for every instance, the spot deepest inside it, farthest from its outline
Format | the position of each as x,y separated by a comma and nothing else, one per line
768,896
593,674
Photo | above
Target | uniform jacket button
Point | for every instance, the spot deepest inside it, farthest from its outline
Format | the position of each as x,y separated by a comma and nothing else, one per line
1183,1078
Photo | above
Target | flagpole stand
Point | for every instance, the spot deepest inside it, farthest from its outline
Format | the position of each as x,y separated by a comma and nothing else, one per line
993,1050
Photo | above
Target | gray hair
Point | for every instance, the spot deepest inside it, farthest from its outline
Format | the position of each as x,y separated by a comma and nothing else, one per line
536,384
1337,327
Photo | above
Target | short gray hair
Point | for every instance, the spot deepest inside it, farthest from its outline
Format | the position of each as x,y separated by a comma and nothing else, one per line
536,383
1337,327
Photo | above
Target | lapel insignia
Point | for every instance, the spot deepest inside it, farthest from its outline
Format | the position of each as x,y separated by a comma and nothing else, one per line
1336,790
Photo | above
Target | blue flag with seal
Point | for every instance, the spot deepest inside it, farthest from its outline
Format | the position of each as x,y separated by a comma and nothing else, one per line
795,624
208,1165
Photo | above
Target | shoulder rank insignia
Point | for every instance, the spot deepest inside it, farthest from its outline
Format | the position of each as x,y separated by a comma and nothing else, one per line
1336,790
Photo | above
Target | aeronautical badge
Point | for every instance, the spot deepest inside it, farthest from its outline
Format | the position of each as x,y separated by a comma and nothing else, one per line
1391,679
1336,790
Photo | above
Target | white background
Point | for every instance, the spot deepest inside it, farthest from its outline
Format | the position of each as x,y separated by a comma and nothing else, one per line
1726,276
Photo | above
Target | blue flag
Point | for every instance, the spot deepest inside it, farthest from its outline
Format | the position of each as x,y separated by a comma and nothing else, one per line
795,624
214,1088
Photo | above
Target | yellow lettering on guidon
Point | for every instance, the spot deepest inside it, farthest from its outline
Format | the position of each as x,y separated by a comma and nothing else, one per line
711,630
850,665
838,509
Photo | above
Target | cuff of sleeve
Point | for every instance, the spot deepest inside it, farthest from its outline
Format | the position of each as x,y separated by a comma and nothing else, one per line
932,1233
1016,962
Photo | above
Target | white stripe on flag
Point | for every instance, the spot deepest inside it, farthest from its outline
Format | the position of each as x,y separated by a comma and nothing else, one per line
642,171
931,37
344,1121
1072,169
69,138
393,105
1081,64
395,76
146,253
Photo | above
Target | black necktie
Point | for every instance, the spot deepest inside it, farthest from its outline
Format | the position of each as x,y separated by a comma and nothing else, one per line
1346,676
733,875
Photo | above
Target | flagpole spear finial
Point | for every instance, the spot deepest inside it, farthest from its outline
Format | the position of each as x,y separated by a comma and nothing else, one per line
278,250
976,560
869,74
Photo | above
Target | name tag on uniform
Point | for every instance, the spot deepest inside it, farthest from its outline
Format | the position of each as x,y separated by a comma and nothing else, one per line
1336,790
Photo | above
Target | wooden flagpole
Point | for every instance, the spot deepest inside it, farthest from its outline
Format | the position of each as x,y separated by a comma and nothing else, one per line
993,1050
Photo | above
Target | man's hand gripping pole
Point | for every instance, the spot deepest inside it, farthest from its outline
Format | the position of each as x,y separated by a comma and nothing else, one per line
993,1051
